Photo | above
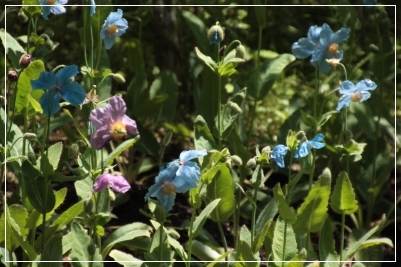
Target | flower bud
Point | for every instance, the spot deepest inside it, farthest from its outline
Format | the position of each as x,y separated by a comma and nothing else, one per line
266,149
236,160
29,136
235,106
73,151
32,158
49,33
240,52
215,34
118,77
374,48
167,138
25,60
22,17
12,76
251,163
333,61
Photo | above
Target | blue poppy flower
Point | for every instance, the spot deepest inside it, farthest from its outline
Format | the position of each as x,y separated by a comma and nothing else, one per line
93,7
114,25
321,44
305,147
355,93
178,176
278,154
52,6
56,85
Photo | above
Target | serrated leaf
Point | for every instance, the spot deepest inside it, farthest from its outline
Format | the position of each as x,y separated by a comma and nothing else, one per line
80,245
124,233
221,187
32,72
159,249
244,256
245,235
267,214
208,176
13,49
297,261
54,154
20,216
84,187
201,219
268,74
260,237
208,60
342,200
28,249
125,259
118,150
285,212
203,137
281,253
313,211
53,251
326,245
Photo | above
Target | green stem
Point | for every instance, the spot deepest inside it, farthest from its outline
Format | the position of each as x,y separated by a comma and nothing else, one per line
342,236
191,226
99,44
161,241
46,182
253,110
229,47
284,243
313,169
316,93
219,99
223,238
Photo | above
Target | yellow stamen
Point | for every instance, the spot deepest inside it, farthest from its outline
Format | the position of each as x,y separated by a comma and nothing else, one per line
112,29
168,188
118,131
50,2
356,97
333,48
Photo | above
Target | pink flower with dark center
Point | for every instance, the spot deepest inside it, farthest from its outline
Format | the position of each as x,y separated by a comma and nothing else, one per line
115,180
111,123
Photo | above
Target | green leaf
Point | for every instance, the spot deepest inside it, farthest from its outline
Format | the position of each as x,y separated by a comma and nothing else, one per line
198,28
103,201
297,261
290,249
325,117
54,154
67,216
327,250
137,92
13,49
207,60
313,211
125,259
260,237
244,256
230,112
208,176
260,12
267,214
308,120
44,165
149,107
83,188
245,235
268,74
32,7
204,252
201,219
40,193
28,249
342,200
19,215
32,72
203,137
221,187
159,249
80,246
178,248
354,248
52,251
124,233
166,84
35,218
82,132
365,119
118,150
285,211
218,259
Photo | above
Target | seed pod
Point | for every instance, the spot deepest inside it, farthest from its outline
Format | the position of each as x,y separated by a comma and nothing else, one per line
25,60
12,76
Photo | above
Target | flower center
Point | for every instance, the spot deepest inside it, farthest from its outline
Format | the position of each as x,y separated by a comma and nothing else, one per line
333,48
118,130
168,188
51,2
356,97
112,29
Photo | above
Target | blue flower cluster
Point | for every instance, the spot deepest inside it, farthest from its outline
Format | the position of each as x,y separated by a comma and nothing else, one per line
177,176
303,150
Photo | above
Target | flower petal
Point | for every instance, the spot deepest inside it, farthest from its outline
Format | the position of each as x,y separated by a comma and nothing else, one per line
314,33
183,184
119,183
122,26
117,108
192,154
73,93
100,137
63,76
303,48
190,170
365,85
303,150
50,102
318,138
326,35
57,9
154,191
101,182
341,35
99,117
365,96
130,125
46,81
167,201
344,101
347,88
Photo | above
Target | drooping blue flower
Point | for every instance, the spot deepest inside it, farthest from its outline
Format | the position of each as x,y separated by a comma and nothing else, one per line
278,154
355,93
93,7
114,25
305,147
322,43
56,85
52,6
178,176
